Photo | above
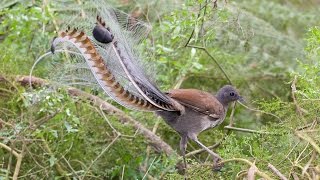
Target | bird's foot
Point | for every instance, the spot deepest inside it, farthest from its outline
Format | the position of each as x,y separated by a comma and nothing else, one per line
181,168
217,164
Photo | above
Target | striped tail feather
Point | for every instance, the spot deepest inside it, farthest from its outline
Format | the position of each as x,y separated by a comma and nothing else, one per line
101,72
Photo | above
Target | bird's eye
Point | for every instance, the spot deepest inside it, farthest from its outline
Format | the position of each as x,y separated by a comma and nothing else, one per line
232,94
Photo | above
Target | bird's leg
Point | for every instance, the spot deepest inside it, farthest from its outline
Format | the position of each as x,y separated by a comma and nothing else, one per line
183,147
216,157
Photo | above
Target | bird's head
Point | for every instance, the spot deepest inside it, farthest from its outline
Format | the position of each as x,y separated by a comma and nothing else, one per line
228,94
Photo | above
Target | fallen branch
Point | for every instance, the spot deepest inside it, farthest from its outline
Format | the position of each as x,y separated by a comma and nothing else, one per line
18,156
276,171
309,140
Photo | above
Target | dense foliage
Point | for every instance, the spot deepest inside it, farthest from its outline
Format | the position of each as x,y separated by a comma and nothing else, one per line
270,50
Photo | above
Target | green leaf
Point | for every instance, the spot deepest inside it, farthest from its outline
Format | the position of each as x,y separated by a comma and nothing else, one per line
52,160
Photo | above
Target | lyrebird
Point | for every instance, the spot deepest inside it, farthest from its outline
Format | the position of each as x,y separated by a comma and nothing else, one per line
112,59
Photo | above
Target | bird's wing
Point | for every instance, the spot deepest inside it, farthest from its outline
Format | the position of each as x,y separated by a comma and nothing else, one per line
198,100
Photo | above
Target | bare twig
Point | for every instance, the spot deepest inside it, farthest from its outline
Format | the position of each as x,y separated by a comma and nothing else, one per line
301,168
148,169
180,81
240,175
214,60
201,32
18,156
247,130
258,172
309,140
18,163
203,150
257,110
101,153
305,126
289,152
6,123
122,174
193,30
306,167
276,171
74,173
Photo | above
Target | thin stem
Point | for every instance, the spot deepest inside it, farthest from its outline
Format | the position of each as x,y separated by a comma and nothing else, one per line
257,110
247,130
216,62
258,172
18,163
148,168
202,150
102,152
10,150
122,174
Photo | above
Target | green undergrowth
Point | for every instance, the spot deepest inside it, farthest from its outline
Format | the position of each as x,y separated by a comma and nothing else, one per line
268,49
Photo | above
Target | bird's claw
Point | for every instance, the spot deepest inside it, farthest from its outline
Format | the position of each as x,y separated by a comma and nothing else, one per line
217,164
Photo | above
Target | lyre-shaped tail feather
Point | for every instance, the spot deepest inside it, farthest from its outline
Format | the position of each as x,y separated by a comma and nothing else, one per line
125,56
100,70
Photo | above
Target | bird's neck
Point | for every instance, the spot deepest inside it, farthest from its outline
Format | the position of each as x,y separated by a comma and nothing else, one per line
220,98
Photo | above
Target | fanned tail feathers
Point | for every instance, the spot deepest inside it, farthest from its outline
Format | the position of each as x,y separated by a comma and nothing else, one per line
115,64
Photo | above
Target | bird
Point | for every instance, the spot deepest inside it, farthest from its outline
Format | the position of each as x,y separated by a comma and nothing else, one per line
188,111
203,111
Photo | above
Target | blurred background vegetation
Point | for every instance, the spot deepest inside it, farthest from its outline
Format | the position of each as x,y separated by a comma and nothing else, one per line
269,49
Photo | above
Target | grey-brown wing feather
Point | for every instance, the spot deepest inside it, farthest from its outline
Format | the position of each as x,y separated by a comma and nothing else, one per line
198,100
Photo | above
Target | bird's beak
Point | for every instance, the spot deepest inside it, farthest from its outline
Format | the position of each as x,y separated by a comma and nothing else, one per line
241,99
52,48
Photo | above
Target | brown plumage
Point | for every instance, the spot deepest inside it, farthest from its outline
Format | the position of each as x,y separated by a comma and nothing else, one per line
201,101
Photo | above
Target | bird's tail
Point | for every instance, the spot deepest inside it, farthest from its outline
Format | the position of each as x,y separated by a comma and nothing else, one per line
116,64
